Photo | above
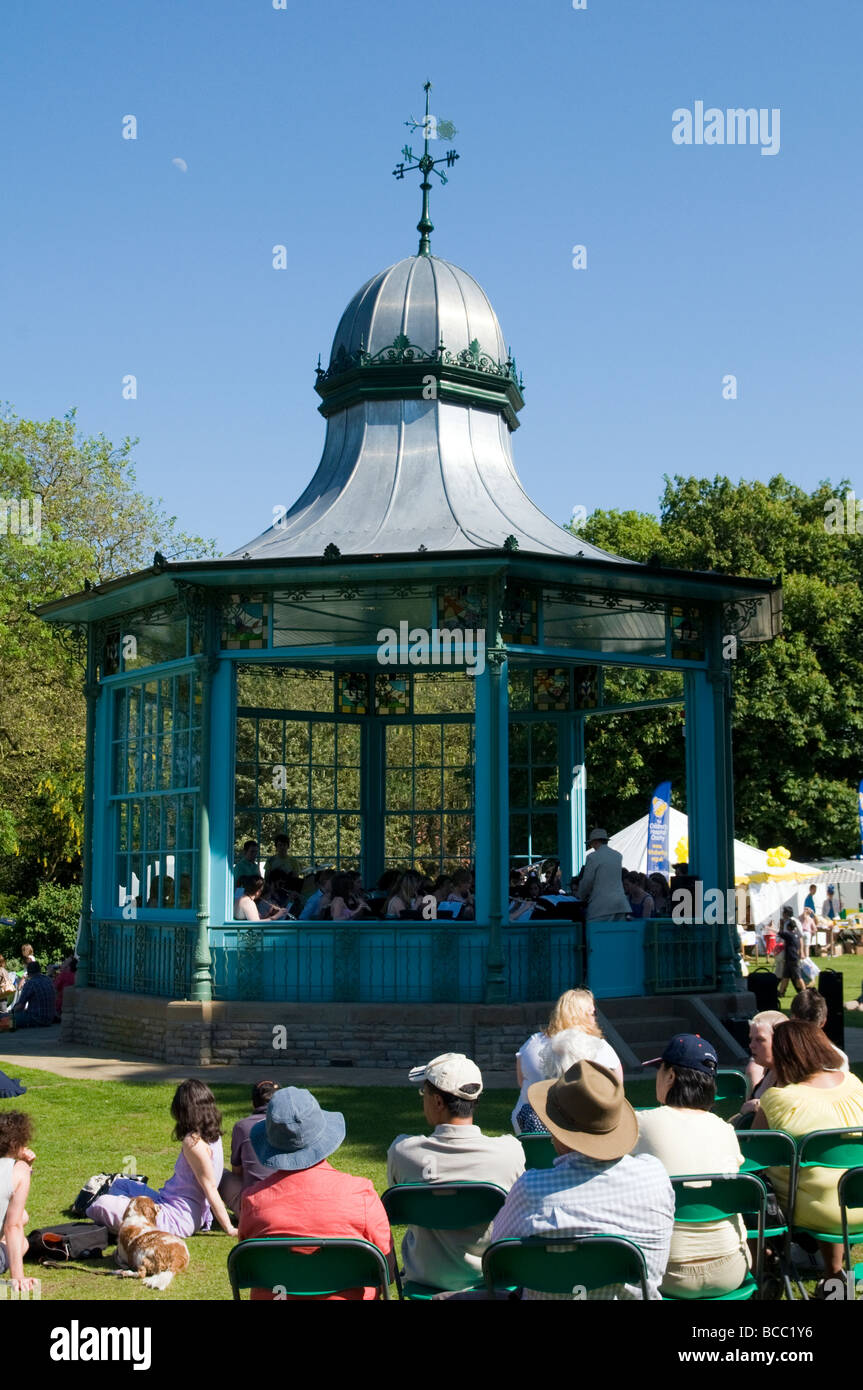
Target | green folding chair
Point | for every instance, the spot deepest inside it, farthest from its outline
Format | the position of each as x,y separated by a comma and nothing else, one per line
825,1148
562,1264
284,1264
851,1195
440,1206
730,1085
539,1152
763,1149
703,1197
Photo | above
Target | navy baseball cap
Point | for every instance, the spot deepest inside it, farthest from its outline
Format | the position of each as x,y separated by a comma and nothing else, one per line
688,1050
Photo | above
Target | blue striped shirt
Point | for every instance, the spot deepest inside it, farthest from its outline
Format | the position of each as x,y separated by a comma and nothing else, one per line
630,1197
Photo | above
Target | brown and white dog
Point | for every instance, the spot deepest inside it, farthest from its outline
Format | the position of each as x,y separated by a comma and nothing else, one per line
146,1252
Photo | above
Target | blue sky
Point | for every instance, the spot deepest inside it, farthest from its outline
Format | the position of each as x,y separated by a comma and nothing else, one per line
702,260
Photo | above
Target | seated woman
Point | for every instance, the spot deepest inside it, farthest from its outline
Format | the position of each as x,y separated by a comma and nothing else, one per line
462,893
16,1159
660,890
246,907
811,1092
345,900
759,1069
711,1257
640,901
277,896
190,1198
574,1009
403,897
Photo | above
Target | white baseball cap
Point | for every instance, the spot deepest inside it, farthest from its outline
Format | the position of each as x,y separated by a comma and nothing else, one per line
452,1073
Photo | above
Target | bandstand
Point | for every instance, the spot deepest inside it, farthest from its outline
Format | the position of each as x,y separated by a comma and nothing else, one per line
235,698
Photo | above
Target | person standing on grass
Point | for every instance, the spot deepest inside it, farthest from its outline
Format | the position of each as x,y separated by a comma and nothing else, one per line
789,935
16,1162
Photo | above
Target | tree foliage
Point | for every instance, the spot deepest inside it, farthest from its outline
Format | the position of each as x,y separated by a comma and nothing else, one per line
797,702
93,525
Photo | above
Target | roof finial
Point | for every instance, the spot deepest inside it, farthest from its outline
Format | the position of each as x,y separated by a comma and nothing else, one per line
432,129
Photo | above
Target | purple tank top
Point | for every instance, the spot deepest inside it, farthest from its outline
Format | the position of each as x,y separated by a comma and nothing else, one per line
183,1190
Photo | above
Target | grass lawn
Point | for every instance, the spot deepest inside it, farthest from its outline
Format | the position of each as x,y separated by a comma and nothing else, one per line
852,971
82,1127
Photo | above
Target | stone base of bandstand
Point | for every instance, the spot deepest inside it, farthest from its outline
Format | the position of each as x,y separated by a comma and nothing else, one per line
389,1036
303,1035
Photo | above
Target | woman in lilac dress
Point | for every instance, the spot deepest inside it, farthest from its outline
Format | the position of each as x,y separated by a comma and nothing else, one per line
190,1198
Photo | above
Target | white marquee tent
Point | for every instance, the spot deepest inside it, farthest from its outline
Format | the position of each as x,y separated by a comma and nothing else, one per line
768,888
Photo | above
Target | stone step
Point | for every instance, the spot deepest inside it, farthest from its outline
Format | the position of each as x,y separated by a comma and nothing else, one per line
636,1030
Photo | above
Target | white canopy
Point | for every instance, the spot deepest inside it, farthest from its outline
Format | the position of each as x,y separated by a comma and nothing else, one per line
769,887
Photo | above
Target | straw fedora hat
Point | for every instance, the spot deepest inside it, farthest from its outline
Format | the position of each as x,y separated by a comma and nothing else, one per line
587,1111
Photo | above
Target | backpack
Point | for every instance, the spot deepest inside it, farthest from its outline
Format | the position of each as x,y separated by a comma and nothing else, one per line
72,1240
95,1187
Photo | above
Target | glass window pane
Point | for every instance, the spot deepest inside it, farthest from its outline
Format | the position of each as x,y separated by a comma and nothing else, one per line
323,787
428,790
399,746
518,743
399,790
519,845
348,788
245,739
545,784
544,743
349,745
323,743
428,745
519,786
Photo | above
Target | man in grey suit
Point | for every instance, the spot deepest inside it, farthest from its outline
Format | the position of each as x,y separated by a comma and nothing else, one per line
601,885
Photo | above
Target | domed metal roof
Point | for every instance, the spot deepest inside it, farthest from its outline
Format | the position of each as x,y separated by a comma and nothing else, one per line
421,401
426,300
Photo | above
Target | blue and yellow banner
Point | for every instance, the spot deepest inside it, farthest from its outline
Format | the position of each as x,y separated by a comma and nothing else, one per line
658,824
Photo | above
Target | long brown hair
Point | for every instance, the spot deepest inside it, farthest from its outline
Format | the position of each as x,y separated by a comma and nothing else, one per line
800,1050
195,1111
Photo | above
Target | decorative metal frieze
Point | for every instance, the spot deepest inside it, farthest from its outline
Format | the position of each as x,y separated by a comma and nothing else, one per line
618,603
297,595
250,951
402,352
139,956
346,964
445,968
195,602
181,976
737,616
348,593
73,640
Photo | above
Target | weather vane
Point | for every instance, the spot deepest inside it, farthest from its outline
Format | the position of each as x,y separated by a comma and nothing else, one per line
432,129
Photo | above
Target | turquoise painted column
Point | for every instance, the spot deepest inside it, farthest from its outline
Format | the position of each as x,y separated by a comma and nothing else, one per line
221,791
710,787
212,743
576,772
92,691
492,813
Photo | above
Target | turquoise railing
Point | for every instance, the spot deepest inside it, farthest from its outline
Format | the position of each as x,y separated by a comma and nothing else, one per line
371,962
679,958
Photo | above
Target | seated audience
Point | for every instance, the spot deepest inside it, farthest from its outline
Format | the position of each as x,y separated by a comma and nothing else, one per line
320,899
34,1007
277,896
404,895
712,1257
303,1195
811,1093
8,984
62,980
281,859
574,1009
462,891
551,877
810,1006
246,905
640,902
345,900
16,1160
246,1167
455,1151
596,1185
190,1198
759,1069
660,890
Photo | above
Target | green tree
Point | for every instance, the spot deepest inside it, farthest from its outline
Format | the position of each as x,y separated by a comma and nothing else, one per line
798,701
85,520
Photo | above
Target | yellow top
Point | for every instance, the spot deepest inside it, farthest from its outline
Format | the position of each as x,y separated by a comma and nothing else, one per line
800,1110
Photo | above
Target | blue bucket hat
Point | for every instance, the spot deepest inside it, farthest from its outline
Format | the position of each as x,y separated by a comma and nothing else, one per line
297,1133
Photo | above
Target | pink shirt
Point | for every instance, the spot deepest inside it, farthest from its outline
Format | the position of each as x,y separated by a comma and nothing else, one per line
318,1201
